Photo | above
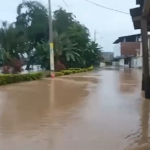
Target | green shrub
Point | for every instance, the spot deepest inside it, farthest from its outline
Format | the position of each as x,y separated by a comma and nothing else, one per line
59,74
90,68
15,78
74,68
73,71
66,72
81,70
77,71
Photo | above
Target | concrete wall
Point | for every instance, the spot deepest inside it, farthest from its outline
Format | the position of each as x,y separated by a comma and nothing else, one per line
136,62
139,62
115,63
117,50
121,62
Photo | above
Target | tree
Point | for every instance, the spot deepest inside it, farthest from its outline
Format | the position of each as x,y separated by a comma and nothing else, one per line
11,42
93,55
34,22
30,34
41,54
62,20
78,33
59,42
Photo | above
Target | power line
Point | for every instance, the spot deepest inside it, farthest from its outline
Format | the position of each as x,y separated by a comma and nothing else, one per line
108,8
66,4
68,7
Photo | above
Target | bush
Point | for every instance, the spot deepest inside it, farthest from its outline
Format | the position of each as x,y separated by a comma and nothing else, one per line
81,70
66,72
14,66
59,74
71,71
15,78
90,68
74,68
6,69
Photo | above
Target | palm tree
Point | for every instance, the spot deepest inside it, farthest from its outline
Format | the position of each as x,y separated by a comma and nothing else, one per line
41,54
92,55
71,52
59,42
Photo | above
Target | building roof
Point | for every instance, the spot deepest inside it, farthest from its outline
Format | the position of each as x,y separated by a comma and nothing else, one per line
137,12
129,38
140,2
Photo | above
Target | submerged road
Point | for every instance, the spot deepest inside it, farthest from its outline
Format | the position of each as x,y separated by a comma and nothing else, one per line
99,110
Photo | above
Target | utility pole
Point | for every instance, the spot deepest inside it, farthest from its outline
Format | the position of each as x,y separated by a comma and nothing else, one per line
52,69
145,58
95,35
95,32
51,45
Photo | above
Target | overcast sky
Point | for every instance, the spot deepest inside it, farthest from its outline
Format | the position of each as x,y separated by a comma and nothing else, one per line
109,24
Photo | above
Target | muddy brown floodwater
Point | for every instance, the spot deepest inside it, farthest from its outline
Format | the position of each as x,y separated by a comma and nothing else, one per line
100,110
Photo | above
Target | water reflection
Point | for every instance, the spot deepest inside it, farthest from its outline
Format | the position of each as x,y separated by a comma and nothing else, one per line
129,80
101,109
27,104
140,138
144,122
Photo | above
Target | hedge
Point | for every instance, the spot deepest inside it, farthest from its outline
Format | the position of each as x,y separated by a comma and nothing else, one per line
71,71
74,68
15,78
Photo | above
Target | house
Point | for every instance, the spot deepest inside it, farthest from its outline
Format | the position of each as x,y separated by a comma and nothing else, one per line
128,51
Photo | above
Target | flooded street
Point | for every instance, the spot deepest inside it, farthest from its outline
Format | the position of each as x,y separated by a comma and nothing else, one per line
99,110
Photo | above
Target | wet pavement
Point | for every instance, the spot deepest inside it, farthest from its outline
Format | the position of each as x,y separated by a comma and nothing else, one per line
99,110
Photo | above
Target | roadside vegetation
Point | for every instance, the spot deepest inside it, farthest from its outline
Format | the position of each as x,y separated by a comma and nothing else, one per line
16,78
25,41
